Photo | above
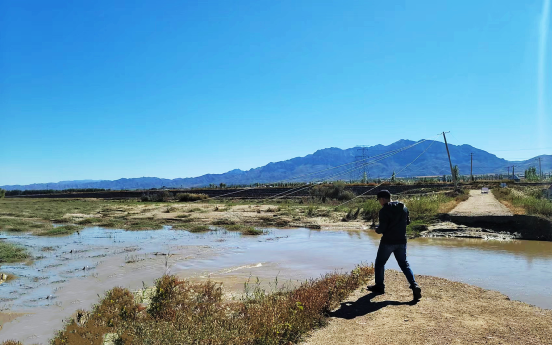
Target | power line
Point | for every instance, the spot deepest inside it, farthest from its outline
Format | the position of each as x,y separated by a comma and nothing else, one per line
385,155
416,158
339,174
383,182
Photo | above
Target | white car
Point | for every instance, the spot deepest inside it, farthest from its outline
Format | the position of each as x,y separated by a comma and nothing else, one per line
485,190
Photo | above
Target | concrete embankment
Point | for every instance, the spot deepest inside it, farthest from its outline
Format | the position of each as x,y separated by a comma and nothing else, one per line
520,226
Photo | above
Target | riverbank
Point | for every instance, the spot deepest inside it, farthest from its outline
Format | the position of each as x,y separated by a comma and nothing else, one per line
448,313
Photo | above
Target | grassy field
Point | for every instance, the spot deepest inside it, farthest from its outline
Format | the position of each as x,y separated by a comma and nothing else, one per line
529,199
182,312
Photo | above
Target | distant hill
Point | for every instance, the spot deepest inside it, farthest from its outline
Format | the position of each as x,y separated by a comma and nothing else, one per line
433,162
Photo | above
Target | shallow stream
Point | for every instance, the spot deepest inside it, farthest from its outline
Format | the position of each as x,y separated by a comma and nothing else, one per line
71,272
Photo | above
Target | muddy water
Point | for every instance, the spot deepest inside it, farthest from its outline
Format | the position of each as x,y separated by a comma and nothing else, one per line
68,273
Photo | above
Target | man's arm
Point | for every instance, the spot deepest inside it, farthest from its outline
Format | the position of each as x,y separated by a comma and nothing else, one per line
382,222
408,220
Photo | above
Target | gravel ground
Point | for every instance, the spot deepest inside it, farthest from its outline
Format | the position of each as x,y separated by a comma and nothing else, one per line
448,313
480,204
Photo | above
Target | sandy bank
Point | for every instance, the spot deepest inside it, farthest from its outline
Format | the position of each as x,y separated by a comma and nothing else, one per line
448,313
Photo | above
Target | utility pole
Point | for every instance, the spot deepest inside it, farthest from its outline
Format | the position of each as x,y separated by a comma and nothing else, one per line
364,155
471,166
508,172
513,173
539,160
450,165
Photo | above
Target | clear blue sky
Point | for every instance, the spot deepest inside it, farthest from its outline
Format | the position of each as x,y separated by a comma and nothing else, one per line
111,89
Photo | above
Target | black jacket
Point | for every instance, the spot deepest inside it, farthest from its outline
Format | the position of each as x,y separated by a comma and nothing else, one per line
393,219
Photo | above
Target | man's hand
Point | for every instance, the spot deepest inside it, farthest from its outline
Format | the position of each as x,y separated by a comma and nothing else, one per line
377,230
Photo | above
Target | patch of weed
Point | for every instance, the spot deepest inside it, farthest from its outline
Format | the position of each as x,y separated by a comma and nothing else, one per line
87,221
223,222
182,312
198,228
143,224
10,252
191,197
532,202
60,230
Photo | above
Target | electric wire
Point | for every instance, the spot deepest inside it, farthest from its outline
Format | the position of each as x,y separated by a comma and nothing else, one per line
386,154
348,171
383,182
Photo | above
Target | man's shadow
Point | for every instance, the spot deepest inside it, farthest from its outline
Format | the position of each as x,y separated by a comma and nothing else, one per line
364,306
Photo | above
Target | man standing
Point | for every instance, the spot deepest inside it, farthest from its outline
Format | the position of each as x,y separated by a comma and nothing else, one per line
393,221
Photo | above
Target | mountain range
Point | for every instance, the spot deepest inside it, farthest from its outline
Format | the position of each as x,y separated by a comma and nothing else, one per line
405,157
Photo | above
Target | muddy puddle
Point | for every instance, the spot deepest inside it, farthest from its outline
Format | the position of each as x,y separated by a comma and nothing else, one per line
71,272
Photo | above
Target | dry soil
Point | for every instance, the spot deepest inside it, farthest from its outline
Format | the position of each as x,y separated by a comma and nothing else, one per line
448,313
481,204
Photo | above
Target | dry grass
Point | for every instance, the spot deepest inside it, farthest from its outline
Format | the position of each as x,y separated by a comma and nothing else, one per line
518,210
6,277
182,312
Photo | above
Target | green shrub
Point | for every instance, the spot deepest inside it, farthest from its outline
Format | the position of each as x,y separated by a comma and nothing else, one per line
160,196
250,230
10,252
533,202
87,221
198,228
416,226
61,230
223,222
334,191
114,313
371,207
191,197
244,229
311,210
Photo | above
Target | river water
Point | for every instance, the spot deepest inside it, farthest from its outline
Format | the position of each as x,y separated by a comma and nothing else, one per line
70,272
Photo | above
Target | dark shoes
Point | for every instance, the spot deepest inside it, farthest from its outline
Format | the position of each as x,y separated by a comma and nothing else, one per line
416,293
377,289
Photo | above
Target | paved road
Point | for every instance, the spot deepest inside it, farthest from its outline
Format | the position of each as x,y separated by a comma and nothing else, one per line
479,204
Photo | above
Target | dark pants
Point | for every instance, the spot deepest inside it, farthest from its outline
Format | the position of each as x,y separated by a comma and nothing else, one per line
400,252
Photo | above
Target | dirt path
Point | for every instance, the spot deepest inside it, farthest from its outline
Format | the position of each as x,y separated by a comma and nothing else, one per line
481,204
448,313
